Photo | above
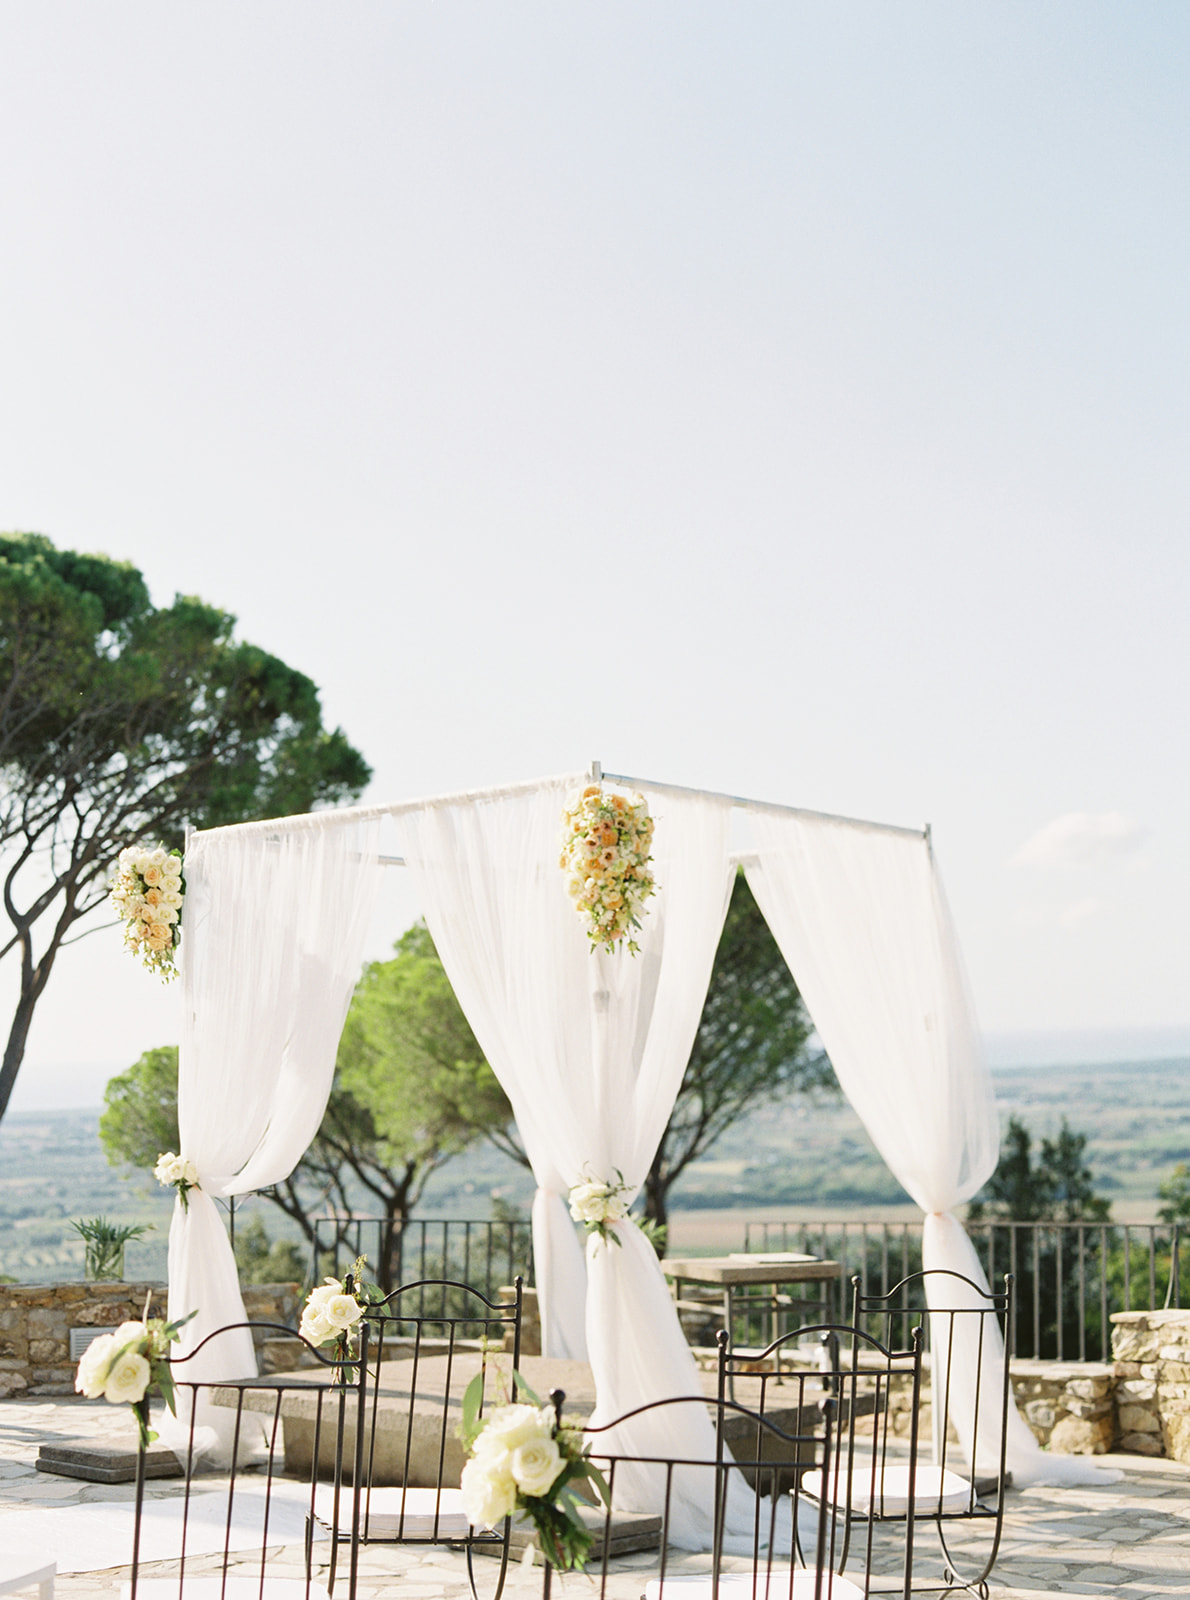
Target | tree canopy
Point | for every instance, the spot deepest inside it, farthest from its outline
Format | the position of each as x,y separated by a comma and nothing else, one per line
122,722
411,1090
752,1046
1057,1187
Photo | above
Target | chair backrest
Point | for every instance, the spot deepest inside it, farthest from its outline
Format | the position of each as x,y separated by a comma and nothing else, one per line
420,1348
968,1359
875,1390
742,1505
250,1452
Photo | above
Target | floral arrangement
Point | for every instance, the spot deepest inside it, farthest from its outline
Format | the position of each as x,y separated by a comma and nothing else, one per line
332,1310
521,1459
127,1365
148,894
605,852
183,1174
596,1204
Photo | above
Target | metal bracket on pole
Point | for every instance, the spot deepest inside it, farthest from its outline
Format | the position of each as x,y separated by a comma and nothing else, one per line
596,772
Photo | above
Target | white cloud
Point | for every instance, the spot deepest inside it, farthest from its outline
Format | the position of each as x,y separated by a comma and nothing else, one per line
1081,839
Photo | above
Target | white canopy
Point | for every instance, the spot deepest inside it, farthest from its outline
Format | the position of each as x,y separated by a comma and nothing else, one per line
590,1048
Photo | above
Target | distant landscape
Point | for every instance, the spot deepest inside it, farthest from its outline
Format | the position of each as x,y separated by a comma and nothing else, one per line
807,1159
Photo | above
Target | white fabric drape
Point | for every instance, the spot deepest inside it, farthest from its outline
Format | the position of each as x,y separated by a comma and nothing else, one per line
590,1047
273,943
860,917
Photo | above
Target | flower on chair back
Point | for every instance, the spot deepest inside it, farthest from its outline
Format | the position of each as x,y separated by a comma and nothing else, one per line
332,1310
127,1365
521,1459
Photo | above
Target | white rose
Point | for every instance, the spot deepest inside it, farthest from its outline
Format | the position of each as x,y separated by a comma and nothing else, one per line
164,1170
535,1465
189,1171
92,1372
488,1496
128,1331
128,1378
159,857
314,1327
341,1310
587,1201
509,1427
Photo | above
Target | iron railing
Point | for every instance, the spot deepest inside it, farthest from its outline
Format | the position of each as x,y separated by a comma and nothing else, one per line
1070,1276
483,1255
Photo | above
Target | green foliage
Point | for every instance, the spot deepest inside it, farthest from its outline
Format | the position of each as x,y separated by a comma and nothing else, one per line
119,722
408,1055
1057,1187
751,1047
105,1241
140,1116
260,1259
1175,1192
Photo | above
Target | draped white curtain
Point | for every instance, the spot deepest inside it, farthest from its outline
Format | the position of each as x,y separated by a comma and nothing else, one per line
275,924
859,914
590,1049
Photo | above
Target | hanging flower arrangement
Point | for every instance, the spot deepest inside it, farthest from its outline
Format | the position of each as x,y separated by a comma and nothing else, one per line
148,894
605,855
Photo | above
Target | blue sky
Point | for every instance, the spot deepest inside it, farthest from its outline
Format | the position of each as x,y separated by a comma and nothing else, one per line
788,399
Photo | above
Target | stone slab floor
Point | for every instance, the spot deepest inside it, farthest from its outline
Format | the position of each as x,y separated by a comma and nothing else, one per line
1130,1538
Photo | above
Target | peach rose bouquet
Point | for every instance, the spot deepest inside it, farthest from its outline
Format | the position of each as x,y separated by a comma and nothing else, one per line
147,893
605,854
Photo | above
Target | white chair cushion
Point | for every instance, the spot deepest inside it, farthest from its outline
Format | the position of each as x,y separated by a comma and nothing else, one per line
937,1489
773,1585
398,1513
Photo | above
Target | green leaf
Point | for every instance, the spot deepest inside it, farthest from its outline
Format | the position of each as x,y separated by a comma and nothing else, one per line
472,1401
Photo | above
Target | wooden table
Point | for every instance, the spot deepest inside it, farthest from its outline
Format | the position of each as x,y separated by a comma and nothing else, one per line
739,1276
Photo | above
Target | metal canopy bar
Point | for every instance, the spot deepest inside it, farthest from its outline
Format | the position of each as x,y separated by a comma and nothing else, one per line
763,805
314,819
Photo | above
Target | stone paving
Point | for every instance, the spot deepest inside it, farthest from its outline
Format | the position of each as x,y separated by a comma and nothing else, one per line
1130,1538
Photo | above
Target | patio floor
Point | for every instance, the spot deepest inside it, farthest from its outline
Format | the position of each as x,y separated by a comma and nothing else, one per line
1130,1538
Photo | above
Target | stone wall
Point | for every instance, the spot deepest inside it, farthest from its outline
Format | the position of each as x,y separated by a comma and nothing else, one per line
36,1319
1152,1371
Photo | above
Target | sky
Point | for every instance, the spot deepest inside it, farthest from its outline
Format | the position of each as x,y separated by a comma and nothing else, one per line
788,399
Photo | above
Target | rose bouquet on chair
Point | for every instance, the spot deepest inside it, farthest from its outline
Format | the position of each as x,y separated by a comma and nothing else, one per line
126,1366
332,1311
522,1460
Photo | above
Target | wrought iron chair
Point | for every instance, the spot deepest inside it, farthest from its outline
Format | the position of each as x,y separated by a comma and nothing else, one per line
961,1489
419,1348
248,1484
875,1392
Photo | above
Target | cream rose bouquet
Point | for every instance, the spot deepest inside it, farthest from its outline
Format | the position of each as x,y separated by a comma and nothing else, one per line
605,855
597,1204
179,1172
522,1460
126,1366
332,1311
147,893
